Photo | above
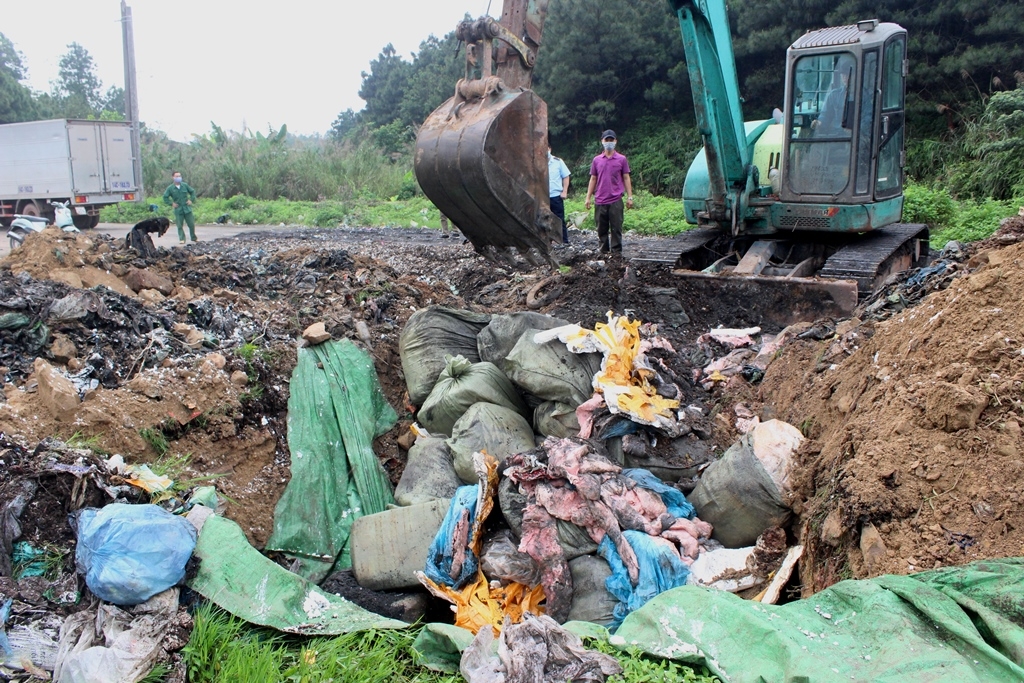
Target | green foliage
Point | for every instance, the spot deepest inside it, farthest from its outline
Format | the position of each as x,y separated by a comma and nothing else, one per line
225,648
964,220
922,204
80,440
994,149
156,440
637,666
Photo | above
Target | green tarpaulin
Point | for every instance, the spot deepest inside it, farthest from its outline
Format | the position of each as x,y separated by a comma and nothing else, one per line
954,624
335,411
236,577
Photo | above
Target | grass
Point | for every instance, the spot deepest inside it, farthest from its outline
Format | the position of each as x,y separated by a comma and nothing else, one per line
80,440
48,558
225,648
156,440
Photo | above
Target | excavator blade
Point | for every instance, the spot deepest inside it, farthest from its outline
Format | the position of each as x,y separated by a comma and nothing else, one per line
483,163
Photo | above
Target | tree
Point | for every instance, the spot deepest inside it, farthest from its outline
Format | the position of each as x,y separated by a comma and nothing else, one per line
16,101
77,87
384,87
344,125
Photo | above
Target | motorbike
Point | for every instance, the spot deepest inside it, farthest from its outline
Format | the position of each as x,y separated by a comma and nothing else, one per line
23,225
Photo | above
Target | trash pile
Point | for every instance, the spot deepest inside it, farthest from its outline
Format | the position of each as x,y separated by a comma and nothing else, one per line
320,442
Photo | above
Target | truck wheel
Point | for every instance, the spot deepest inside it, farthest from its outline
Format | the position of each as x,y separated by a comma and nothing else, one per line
85,222
30,208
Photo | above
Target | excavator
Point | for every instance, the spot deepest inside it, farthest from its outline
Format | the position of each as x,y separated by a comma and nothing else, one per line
808,201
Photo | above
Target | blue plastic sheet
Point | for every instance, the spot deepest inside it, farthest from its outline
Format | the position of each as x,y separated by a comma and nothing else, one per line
129,553
677,504
660,570
443,549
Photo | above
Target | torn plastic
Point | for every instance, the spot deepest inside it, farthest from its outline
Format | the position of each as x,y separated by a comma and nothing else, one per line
536,650
111,644
144,478
627,381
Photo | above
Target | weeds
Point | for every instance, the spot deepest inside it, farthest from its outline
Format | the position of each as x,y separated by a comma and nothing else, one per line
637,666
80,440
46,561
225,648
156,440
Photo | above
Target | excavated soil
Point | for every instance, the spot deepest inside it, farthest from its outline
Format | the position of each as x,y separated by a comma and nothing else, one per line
916,433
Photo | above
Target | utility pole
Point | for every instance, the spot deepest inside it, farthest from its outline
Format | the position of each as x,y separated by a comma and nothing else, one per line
131,96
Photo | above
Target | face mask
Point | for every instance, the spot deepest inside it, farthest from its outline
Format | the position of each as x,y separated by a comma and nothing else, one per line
177,181
608,146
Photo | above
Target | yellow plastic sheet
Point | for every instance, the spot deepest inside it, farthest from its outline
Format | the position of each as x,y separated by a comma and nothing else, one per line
480,604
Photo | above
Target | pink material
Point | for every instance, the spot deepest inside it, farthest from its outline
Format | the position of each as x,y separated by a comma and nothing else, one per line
540,541
585,414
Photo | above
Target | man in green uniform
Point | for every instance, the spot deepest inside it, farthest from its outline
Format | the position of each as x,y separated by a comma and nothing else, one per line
180,195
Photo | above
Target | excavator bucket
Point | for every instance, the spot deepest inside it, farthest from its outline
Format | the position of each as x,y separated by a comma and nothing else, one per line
483,163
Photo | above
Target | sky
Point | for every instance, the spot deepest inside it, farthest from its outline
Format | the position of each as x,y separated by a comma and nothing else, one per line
238,63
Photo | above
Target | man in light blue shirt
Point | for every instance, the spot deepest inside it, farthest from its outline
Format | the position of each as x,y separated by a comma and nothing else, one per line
558,189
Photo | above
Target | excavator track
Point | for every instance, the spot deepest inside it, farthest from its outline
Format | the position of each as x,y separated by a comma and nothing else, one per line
670,252
872,258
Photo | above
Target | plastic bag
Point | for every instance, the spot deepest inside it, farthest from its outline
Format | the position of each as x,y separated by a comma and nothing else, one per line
497,430
742,493
429,473
428,337
591,600
498,339
502,560
460,385
129,553
559,420
551,371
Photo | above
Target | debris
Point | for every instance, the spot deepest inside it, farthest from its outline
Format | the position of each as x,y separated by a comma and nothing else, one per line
725,569
539,650
58,393
871,547
21,494
143,477
140,279
335,411
129,553
770,595
239,579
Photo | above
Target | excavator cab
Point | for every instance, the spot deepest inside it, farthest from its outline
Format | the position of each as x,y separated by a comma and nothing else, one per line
481,157
843,142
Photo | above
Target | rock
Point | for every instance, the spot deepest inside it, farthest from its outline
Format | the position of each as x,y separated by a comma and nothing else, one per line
406,439
316,334
239,378
140,278
832,528
56,391
217,359
93,277
151,296
951,407
62,348
363,332
195,338
147,385
183,293
872,547
390,546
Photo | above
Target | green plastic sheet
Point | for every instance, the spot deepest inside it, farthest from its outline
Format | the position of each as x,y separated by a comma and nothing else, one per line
236,577
335,410
953,624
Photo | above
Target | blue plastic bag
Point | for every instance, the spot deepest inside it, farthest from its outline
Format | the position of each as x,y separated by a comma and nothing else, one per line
673,498
129,553
443,550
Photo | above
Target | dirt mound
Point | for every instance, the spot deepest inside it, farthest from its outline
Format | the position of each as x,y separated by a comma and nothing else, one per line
916,434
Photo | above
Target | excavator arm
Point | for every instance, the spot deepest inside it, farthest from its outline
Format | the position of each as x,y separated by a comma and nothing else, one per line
716,99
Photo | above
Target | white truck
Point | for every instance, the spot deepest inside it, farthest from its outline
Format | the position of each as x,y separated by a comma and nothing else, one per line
87,163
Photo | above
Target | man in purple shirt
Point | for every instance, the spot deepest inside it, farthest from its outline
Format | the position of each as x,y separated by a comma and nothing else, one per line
609,180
